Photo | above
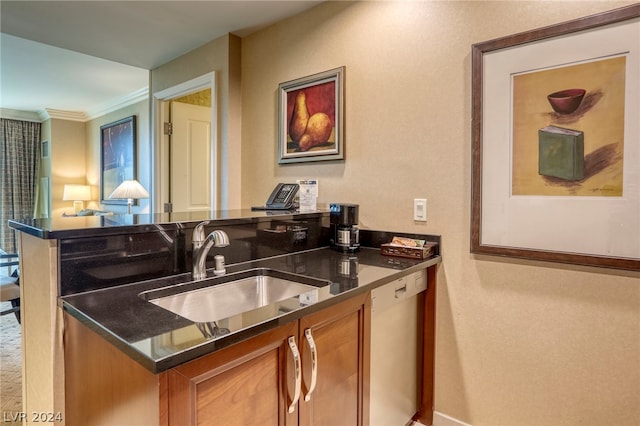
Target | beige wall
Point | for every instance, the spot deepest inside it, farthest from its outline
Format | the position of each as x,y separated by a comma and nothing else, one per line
67,161
221,55
143,154
518,343
75,157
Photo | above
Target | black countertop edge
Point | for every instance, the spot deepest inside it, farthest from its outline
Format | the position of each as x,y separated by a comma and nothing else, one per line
108,336
163,364
95,226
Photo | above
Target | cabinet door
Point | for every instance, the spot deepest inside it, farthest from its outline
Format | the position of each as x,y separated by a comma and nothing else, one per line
245,384
341,335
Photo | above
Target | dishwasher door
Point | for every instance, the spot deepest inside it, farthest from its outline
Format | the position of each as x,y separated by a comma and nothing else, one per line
396,350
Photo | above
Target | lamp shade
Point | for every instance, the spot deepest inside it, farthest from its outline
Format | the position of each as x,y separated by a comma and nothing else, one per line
76,193
129,189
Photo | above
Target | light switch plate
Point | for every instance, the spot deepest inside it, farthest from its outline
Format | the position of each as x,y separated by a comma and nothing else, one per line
420,209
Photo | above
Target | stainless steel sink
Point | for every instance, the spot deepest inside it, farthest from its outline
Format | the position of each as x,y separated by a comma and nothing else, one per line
222,297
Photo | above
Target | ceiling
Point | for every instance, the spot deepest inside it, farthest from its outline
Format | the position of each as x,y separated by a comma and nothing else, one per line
86,56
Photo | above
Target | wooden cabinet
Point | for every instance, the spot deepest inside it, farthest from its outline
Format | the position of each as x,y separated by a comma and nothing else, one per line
104,386
310,372
240,385
341,335
249,383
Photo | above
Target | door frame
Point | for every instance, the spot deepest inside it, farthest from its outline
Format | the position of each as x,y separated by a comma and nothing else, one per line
160,105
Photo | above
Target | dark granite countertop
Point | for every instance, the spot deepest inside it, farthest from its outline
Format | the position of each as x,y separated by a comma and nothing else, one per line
159,339
90,226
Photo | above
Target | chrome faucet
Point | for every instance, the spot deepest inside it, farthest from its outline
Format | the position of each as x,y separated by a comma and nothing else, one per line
201,247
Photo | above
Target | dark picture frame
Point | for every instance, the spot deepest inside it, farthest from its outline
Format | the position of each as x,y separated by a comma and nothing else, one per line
558,220
118,146
311,118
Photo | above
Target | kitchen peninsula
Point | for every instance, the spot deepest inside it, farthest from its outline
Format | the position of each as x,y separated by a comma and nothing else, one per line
97,351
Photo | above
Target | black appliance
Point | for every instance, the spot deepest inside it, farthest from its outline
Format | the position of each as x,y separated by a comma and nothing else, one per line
345,235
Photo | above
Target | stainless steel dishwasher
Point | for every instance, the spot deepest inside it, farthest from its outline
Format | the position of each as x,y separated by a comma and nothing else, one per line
396,350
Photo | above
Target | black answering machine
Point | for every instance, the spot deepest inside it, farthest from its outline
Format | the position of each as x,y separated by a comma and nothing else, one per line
282,198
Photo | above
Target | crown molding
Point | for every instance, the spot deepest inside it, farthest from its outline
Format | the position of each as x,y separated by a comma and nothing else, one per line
48,113
114,105
60,114
14,114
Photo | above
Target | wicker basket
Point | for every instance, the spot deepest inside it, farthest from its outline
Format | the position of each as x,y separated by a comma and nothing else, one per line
411,252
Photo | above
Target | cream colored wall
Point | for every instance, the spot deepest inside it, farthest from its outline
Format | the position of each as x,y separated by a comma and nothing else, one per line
67,161
75,156
221,55
143,154
518,343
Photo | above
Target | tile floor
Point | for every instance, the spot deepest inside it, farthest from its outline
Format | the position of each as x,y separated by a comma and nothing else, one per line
10,366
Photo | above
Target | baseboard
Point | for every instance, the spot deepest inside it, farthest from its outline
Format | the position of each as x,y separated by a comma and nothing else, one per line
440,419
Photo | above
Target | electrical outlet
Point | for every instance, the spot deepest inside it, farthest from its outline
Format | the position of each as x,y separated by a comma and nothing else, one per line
420,209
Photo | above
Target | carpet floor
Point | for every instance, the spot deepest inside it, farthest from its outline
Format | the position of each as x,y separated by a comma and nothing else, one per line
10,366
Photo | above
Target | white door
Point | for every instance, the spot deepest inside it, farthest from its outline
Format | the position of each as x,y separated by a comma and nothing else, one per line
191,159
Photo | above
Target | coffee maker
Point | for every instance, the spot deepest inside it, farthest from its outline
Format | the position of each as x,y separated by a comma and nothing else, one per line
345,236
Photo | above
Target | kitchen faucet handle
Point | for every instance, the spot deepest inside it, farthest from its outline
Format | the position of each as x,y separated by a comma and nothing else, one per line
221,238
198,232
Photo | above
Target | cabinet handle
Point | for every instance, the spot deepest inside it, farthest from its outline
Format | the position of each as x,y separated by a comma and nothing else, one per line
314,363
298,373
401,292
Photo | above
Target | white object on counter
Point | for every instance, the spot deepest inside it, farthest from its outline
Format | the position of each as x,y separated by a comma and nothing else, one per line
308,194
219,265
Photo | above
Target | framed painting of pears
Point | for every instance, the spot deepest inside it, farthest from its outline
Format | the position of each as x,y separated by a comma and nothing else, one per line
310,118
555,152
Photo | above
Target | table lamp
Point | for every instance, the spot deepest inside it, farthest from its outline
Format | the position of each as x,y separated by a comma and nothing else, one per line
78,194
129,190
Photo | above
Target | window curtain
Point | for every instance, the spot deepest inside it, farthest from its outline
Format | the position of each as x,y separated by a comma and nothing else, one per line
19,165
